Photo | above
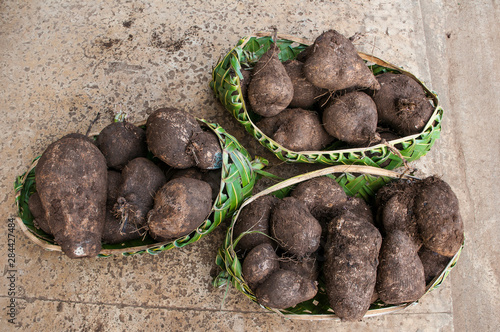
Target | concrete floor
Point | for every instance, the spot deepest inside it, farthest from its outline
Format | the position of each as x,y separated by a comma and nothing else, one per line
62,62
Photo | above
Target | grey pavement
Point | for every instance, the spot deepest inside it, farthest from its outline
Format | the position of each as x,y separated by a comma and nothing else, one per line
63,62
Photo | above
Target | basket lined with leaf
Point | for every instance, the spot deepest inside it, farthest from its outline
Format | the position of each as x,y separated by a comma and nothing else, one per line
237,178
230,84
271,288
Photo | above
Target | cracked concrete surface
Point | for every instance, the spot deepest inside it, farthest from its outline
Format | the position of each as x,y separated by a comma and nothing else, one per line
63,62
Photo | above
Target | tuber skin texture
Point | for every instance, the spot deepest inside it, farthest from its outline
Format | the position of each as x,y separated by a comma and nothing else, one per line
402,104
306,267
305,94
351,254
168,133
71,178
271,90
433,263
259,264
285,289
352,118
296,129
36,209
120,142
141,178
333,63
294,228
438,217
180,206
255,217
322,195
206,150
400,274
114,230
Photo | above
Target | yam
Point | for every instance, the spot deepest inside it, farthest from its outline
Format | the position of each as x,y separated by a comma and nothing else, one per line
120,142
71,178
400,274
305,94
321,195
284,289
352,118
296,129
271,90
333,63
168,133
351,260
38,213
294,228
402,104
206,150
259,264
438,217
180,206
141,178
255,217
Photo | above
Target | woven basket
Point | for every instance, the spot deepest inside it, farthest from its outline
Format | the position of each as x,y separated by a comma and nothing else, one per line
360,181
237,181
226,86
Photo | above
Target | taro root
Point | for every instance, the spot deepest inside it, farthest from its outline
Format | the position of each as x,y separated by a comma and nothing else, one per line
284,289
259,264
322,195
352,118
294,228
206,150
36,209
116,231
433,263
358,206
351,254
438,217
180,206
306,267
213,178
168,133
270,91
141,178
120,142
71,178
397,214
296,129
254,217
305,94
400,274
333,63
402,104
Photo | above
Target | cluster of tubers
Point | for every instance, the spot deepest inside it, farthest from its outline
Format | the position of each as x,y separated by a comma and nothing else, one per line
328,93
388,252
127,183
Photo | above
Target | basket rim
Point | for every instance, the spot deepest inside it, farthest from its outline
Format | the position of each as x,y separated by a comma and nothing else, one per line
283,153
250,165
228,245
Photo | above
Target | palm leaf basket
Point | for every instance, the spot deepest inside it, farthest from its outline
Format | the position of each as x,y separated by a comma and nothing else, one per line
360,181
225,83
238,177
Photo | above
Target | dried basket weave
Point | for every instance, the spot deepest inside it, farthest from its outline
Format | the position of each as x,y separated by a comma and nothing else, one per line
225,83
360,181
238,177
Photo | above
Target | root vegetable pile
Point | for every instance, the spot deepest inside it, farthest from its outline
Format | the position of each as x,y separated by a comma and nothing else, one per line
327,94
389,252
107,191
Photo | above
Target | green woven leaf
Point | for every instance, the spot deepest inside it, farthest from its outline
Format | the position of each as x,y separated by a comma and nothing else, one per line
361,184
229,93
237,181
